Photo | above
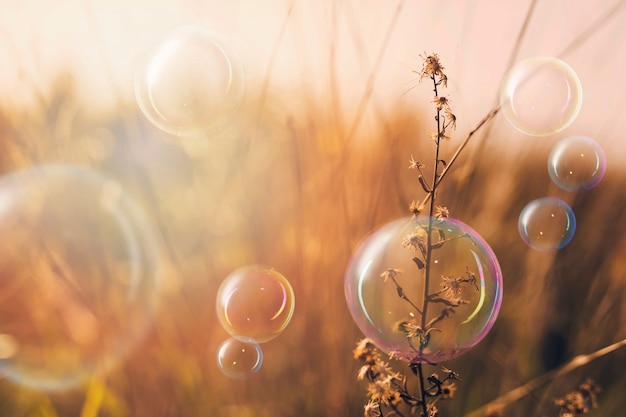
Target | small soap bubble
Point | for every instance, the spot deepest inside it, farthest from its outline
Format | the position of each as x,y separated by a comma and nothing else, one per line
541,96
384,289
239,359
577,163
79,285
255,302
547,224
189,82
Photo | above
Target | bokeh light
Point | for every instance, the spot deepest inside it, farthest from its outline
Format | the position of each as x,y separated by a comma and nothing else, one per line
541,95
577,163
464,289
239,359
547,224
79,279
189,82
255,302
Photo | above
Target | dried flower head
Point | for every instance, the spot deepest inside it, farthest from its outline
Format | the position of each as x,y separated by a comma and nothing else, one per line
579,401
452,287
450,374
442,213
432,410
450,117
431,67
416,208
391,274
416,240
442,102
371,409
413,164
447,390
366,352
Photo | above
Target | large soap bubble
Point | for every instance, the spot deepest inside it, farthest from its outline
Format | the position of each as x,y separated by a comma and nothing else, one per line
577,163
385,289
546,224
255,302
239,359
541,95
189,82
79,275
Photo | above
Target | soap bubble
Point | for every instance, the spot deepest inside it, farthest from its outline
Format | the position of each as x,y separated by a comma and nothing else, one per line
79,275
384,288
577,163
189,82
541,96
239,359
255,302
546,224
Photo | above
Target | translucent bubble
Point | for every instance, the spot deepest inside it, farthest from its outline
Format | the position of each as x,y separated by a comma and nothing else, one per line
189,82
239,359
79,275
541,95
577,163
546,224
255,302
385,284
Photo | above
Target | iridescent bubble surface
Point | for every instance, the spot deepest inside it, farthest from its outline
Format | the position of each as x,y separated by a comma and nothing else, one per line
541,95
385,285
79,282
577,163
239,359
255,302
189,82
547,224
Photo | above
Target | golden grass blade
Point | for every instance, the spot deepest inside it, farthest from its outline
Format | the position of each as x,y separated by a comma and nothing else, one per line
510,397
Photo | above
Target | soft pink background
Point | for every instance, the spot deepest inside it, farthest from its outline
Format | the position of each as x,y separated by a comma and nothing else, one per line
321,44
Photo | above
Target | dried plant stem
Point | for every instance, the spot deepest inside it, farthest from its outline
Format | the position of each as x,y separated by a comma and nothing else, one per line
429,249
431,210
520,392
420,377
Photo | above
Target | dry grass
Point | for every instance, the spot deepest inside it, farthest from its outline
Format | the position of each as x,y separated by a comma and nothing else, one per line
289,191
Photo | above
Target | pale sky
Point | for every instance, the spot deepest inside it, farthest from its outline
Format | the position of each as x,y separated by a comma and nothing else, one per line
320,47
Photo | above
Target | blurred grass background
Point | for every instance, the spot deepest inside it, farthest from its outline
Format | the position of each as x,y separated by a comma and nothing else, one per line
293,185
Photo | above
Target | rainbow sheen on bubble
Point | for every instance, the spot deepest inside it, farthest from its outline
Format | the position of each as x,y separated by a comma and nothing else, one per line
540,96
577,163
189,82
255,302
239,359
547,224
464,289
80,276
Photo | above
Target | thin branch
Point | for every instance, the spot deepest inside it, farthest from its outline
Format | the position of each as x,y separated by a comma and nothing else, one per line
480,124
520,392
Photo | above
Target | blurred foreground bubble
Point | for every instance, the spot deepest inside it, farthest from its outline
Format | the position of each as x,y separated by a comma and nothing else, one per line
385,284
541,95
239,359
79,278
189,82
547,224
577,163
255,302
